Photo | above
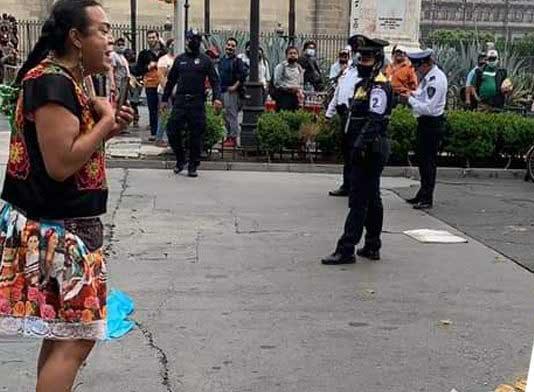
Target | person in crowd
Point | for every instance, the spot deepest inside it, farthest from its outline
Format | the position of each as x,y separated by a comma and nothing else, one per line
164,66
55,191
147,67
233,75
313,79
369,114
343,62
340,105
400,73
490,85
469,93
289,82
120,64
188,74
8,56
264,68
136,85
428,105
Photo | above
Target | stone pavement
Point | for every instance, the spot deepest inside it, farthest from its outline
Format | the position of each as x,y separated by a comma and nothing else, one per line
231,296
499,213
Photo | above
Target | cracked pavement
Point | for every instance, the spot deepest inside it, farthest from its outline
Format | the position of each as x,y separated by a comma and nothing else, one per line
231,297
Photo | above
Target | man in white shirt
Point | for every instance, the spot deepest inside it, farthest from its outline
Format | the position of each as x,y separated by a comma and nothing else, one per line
343,62
428,105
340,104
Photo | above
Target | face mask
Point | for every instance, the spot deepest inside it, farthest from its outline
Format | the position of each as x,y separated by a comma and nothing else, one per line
310,52
193,45
120,49
365,71
291,61
493,64
343,61
170,50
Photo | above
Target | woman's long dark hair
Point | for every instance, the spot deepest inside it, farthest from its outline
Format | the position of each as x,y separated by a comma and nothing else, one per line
65,15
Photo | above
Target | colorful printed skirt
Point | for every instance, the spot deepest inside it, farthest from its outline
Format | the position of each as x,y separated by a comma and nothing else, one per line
52,277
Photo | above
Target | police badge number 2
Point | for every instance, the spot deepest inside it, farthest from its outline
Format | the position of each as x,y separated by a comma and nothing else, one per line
378,101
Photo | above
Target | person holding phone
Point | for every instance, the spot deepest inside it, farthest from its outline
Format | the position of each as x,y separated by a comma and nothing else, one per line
55,191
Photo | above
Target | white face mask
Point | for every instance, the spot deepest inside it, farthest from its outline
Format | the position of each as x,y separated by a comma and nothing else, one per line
310,52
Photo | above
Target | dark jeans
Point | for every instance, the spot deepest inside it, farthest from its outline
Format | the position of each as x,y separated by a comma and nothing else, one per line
365,203
153,108
429,135
286,101
187,116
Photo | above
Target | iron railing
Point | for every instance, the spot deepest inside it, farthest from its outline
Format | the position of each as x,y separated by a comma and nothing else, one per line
328,46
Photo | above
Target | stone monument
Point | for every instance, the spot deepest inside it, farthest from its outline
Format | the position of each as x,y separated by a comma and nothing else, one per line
396,21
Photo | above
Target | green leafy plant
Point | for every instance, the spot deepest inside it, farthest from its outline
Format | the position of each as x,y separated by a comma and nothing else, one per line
329,136
295,120
401,131
273,133
471,134
215,129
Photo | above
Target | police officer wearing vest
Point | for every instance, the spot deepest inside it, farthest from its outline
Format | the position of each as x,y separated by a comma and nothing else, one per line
188,74
368,114
428,105
340,104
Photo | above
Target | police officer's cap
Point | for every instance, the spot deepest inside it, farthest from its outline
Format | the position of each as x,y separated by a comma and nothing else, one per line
361,43
423,56
193,33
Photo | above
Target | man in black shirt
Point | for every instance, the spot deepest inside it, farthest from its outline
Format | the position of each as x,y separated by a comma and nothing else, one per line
188,74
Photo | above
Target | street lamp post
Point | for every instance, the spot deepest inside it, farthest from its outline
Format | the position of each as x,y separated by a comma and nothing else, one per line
292,22
133,24
207,16
179,31
186,13
254,103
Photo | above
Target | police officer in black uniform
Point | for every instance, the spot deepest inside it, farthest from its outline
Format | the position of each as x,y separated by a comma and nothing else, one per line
188,74
369,115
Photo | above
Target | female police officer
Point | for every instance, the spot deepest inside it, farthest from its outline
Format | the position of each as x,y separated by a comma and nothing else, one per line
369,115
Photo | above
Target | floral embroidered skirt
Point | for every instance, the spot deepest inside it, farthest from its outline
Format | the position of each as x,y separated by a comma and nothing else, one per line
52,277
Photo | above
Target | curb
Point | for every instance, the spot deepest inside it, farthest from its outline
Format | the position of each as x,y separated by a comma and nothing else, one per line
390,171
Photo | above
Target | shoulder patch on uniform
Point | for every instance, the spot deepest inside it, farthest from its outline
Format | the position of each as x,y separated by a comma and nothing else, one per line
432,78
381,78
378,102
431,91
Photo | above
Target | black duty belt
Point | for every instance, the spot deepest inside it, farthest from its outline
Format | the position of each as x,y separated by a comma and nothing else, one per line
189,97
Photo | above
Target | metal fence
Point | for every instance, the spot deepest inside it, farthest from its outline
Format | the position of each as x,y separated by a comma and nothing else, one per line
328,46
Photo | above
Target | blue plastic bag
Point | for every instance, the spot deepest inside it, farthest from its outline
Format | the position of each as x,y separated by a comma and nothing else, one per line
119,307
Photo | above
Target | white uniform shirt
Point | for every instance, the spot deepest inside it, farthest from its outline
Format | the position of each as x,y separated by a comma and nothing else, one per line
344,90
431,96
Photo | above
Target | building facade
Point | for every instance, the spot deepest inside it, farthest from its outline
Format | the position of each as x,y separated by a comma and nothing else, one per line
510,18
513,17
313,16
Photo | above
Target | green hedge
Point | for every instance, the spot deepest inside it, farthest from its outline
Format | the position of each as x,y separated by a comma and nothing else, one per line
469,135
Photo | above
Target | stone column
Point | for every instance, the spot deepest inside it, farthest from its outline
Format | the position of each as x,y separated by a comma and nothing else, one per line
396,21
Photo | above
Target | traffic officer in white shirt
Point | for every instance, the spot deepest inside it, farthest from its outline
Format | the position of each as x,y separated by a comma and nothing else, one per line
428,105
340,104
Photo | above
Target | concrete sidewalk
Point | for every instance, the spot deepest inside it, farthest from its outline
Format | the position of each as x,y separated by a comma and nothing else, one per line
231,295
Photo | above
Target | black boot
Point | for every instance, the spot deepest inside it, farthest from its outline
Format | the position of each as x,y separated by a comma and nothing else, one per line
192,171
338,259
367,253
423,205
413,201
341,192
178,168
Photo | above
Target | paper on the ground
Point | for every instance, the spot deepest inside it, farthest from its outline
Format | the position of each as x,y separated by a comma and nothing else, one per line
435,236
